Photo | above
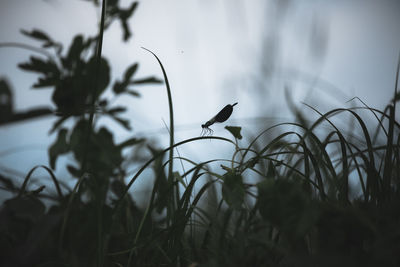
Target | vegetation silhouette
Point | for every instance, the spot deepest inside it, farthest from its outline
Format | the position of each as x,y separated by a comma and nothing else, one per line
302,209
7,113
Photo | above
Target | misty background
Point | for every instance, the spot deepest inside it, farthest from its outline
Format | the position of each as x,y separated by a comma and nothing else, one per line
215,53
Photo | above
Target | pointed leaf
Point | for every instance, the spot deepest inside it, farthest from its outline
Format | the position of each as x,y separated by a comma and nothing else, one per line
123,122
75,50
39,65
147,80
37,34
133,93
58,123
46,82
130,72
235,131
75,172
131,142
116,110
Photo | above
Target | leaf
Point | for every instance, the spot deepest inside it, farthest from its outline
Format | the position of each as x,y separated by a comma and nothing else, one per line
75,172
49,70
127,31
39,65
133,93
119,87
131,142
147,80
235,131
284,204
123,122
130,72
124,15
103,103
37,191
112,111
37,34
46,82
102,77
233,190
58,123
26,207
59,147
7,183
76,139
74,52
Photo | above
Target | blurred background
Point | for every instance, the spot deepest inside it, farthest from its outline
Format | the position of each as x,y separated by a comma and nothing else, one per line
215,53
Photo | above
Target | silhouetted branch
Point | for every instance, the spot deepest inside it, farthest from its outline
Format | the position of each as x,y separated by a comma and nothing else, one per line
30,114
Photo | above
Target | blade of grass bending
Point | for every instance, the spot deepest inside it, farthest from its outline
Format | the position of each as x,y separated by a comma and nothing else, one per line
183,215
387,170
344,184
67,210
133,179
376,117
53,177
370,167
396,85
171,127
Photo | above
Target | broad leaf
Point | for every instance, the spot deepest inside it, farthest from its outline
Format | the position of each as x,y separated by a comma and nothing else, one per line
284,204
235,131
233,190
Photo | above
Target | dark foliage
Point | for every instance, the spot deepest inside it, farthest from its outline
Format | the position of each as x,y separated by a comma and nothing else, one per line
300,208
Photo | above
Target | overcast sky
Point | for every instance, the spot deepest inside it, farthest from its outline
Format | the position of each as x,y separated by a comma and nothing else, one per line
215,53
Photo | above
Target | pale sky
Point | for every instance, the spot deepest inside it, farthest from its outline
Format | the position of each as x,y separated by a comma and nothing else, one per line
215,53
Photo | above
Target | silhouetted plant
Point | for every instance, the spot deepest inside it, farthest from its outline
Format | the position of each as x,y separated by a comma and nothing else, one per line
283,201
